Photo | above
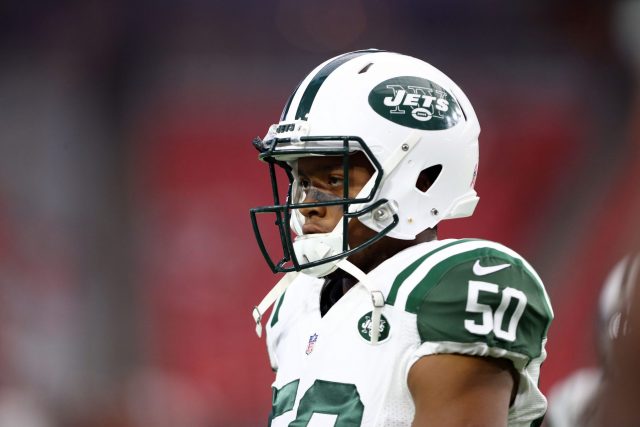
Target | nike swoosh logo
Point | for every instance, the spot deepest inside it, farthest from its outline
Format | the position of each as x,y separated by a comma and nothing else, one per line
479,270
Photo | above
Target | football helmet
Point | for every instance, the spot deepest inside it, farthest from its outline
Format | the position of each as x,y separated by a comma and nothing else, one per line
407,117
614,304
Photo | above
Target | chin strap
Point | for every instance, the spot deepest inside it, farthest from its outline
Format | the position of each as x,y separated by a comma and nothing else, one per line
270,298
377,298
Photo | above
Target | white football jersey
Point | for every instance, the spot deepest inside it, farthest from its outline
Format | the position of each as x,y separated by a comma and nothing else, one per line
470,297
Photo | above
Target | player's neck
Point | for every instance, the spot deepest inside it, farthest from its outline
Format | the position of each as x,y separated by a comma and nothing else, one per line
372,256
335,286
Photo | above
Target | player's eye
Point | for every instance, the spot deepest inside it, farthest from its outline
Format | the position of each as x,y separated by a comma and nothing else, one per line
304,183
335,181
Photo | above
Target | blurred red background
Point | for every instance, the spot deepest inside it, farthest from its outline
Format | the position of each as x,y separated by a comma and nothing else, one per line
128,267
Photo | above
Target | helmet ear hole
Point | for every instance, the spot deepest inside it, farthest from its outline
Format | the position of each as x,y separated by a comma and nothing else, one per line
427,177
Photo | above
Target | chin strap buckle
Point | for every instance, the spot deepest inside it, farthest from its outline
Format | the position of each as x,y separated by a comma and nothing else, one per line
377,298
270,298
257,316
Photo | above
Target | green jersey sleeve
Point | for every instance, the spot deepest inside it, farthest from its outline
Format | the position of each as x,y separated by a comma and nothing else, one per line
483,299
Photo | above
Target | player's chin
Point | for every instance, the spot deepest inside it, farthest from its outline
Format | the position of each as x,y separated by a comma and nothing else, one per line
314,229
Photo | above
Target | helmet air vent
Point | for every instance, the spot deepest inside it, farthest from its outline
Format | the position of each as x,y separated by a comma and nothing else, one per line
365,68
427,177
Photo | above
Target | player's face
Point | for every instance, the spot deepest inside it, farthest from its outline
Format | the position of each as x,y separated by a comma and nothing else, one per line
322,178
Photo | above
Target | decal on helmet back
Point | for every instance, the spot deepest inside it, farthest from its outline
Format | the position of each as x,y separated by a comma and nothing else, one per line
415,102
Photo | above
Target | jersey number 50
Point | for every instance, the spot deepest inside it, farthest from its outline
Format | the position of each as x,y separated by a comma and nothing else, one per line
493,320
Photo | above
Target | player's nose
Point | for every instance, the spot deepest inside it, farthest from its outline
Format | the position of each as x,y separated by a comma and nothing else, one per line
313,196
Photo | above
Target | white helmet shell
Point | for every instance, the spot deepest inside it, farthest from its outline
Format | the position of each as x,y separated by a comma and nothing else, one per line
391,100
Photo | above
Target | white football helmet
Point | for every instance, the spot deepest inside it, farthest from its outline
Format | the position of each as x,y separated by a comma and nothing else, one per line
407,117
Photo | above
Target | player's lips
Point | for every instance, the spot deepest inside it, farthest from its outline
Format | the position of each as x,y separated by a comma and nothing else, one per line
312,229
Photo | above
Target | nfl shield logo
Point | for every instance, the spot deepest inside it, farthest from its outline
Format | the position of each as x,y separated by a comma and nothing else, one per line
312,341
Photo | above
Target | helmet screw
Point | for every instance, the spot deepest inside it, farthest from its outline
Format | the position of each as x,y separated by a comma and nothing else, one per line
380,214
405,147
434,212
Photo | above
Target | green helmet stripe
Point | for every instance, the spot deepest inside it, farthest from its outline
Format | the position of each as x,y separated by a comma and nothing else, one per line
313,87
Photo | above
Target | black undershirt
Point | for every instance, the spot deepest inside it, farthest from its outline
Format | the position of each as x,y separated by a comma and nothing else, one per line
335,286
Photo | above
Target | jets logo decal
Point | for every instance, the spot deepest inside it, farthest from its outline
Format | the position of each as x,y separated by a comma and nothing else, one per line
364,327
416,103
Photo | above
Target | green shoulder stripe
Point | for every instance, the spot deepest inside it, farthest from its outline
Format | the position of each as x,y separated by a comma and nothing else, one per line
276,311
404,274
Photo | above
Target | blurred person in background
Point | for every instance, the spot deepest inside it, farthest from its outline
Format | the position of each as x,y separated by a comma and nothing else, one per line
618,397
607,394
376,321
581,399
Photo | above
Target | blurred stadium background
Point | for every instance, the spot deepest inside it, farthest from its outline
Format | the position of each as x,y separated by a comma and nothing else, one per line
128,268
